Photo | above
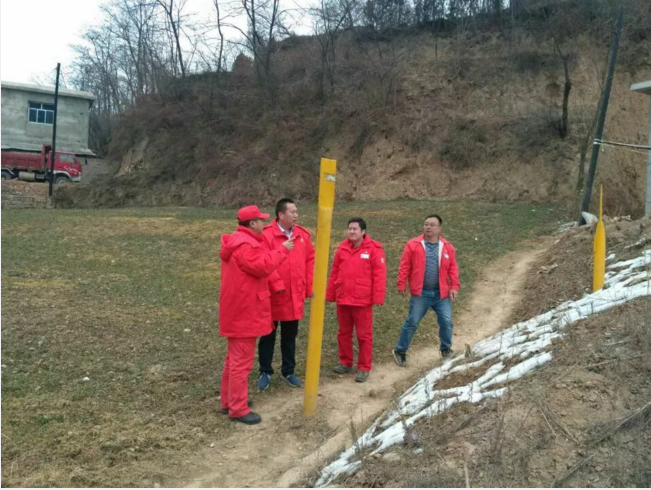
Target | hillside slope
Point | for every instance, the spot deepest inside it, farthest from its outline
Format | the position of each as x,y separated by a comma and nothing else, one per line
582,420
416,114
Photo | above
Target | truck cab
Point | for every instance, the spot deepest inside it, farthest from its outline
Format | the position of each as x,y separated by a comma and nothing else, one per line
66,165
33,167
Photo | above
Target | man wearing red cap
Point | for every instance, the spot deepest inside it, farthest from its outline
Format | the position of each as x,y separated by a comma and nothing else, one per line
244,305
357,282
296,274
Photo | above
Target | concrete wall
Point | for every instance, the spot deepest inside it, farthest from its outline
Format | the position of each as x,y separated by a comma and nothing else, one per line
18,132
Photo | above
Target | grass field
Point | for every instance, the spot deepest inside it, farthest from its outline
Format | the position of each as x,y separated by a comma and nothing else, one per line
129,299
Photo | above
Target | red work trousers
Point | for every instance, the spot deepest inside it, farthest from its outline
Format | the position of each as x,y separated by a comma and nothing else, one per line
359,318
235,377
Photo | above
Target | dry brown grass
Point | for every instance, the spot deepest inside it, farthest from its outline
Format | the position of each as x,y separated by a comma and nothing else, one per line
572,256
466,116
563,426
109,295
582,421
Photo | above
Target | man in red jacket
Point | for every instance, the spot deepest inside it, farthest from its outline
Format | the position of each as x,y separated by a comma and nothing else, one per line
296,275
244,305
430,265
357,282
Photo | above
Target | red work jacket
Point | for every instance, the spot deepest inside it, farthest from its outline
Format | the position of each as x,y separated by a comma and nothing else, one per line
296,273
412,267
244,304
359,275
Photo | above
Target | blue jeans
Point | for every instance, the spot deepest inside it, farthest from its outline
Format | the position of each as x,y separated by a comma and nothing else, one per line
418,306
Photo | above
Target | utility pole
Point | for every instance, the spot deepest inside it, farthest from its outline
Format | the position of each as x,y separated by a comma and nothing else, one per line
54,129
647,206
605,96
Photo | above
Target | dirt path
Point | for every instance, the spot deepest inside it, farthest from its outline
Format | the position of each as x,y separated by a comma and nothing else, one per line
271,454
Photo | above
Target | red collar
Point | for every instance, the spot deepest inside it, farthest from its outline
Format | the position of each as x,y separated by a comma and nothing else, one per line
248,231
365,242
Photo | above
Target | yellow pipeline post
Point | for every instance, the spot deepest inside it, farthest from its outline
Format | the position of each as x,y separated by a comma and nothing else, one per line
317,309
599,276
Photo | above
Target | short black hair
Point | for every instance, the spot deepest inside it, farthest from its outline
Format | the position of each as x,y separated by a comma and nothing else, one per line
435,216
281,206
246,224
359,221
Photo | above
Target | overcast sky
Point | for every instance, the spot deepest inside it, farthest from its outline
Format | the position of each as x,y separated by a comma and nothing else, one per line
36,34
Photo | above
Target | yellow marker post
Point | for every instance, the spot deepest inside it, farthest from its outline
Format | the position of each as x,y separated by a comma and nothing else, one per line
599,276
317,310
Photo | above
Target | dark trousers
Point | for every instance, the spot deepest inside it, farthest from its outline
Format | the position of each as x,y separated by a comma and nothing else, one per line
288,333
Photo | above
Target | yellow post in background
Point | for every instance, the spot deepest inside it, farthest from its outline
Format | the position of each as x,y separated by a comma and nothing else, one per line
599,276
317,309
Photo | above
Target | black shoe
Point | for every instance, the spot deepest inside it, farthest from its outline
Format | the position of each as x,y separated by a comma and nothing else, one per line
225,410
341,369
361,376
400,357
446,353
250,418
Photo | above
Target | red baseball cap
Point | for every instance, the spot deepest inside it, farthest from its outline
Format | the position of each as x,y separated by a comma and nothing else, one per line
248,213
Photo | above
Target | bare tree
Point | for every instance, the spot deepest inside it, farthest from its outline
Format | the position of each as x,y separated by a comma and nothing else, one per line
220,59
173,16
264,19
429,10
385,60
213,51
383,14
122,60
565,59
329,19
133,24
95,70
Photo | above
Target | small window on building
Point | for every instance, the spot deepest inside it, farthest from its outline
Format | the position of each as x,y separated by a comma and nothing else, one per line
41,113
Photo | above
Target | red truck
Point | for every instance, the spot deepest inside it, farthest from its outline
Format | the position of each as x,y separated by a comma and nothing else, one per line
33,167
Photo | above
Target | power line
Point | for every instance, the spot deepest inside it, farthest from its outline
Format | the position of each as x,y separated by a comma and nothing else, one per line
632,150
64,82
627,145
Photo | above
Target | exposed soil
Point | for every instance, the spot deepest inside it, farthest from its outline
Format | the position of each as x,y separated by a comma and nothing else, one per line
466,120
286,448
564,272
136,295
581,421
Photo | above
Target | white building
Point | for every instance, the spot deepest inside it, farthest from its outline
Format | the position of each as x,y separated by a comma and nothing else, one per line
28,115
